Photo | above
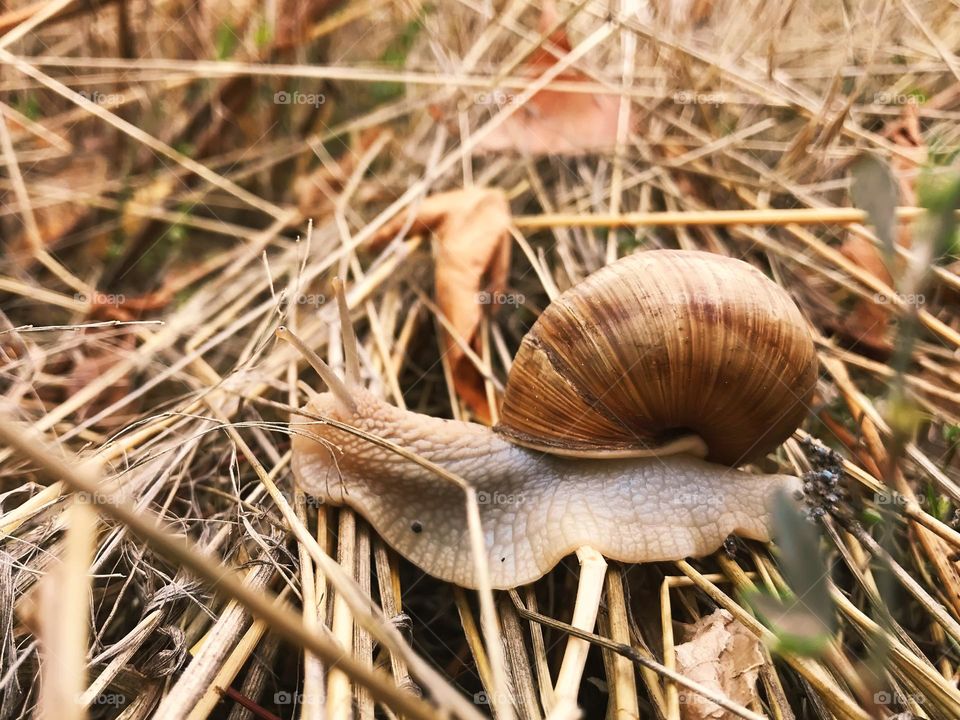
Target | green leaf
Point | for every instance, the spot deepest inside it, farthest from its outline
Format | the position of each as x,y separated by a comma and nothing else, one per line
937,505
29,107
803,565
226,41
263,35
951,433
804,623
939,193
941,152
875,191
396,56
798,630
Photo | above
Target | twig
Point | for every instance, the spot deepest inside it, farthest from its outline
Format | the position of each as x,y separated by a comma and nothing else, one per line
634,656
685,218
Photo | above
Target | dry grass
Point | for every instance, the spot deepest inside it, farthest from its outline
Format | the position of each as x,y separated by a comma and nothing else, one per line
154,215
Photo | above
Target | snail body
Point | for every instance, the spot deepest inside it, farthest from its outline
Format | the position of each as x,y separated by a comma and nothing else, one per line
585,454
535,508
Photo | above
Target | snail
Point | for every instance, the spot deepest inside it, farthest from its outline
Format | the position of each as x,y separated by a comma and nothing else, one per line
628,406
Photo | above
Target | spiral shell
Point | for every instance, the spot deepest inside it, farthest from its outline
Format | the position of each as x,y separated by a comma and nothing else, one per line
663,352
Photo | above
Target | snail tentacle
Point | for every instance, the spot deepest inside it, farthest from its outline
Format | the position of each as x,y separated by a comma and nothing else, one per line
351,348
337,387
342,388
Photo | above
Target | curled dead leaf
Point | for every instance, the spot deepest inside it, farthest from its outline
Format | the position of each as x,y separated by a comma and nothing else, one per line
54,210
70,372
554,122
472,261
723,655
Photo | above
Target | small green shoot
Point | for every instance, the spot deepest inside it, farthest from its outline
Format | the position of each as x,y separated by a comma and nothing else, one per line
874,190
804,621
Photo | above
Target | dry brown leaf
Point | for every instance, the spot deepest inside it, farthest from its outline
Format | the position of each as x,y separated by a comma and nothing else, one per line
906,133
79,367
88,366
723,655
552,122
317,191
868,324
57,219
472,262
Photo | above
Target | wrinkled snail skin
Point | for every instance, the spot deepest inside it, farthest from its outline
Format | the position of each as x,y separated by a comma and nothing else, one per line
535,508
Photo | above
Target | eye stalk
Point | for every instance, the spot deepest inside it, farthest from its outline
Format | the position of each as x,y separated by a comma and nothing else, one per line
338,387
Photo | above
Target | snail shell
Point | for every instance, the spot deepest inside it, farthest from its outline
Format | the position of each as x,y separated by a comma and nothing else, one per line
663,352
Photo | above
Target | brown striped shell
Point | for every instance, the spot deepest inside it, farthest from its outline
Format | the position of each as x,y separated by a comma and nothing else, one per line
662,352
